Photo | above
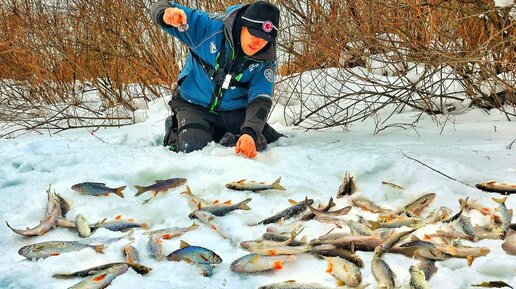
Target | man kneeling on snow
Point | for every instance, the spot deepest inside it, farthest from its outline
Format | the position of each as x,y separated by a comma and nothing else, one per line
225,89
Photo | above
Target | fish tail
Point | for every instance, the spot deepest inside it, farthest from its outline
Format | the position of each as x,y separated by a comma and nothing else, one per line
243,204
188,191
500,201
140,190
145,226
120,191
99,248
276,185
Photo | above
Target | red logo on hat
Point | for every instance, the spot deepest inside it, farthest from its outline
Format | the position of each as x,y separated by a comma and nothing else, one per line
267,26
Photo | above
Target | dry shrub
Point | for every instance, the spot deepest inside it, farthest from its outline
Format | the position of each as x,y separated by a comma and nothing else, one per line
52,56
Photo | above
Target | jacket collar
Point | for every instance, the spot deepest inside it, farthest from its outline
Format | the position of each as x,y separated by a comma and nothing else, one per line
267,53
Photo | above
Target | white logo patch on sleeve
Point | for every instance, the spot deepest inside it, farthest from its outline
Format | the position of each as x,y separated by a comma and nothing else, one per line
269,75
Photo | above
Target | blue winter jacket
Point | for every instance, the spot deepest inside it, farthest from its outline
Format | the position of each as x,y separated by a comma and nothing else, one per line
204,38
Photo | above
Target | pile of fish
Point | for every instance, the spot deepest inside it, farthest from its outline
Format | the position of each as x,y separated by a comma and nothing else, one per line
400,231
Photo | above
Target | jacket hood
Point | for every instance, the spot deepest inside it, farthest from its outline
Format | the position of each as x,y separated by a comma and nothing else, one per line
267,53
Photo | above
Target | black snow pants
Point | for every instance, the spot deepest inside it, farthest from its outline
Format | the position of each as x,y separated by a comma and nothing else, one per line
192,127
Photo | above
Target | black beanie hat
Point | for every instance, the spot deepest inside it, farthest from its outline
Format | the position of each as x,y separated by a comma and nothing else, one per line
262,20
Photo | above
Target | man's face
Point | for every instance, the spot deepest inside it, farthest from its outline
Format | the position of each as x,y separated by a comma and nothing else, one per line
250,44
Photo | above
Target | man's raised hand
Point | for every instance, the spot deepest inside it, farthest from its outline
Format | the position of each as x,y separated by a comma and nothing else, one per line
174,17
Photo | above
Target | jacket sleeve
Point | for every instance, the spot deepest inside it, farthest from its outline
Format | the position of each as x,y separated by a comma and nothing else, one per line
198,22
259,100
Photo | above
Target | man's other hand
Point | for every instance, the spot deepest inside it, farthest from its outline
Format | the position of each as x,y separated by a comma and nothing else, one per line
174,17
246,146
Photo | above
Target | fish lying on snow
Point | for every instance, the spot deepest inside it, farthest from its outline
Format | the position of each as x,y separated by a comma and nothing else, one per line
253,186
220,210
169,233
160,186
194,201
492,284
138,268
55,248
122,225
347,273
131,254
294,285
194,254
289,212
48,223
256,263
97,189
497,187
101,279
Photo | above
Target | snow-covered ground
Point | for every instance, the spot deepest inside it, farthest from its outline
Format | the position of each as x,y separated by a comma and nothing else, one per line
472,148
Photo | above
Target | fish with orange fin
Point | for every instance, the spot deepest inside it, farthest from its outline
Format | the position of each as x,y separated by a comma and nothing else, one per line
48,223
101,279
221,209
194,255
194,201
254,186
347,273
55,248
131,254
169,233
503,188
160,186
122,225
97,189
256,263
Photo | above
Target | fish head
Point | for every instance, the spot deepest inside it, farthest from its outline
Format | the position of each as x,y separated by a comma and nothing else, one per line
77,187
25,251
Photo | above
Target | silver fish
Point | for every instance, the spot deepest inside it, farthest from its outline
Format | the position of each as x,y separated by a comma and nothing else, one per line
345,271
382,273
194,254
328,250
417,206
468,253
270,248
138,268
220,210
97,189
256,263
505,214
368,205
160,186
155,248
48,223
55,248
289,212
169,233
131,254
122,225
497,187
253,186
211,220
101,279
